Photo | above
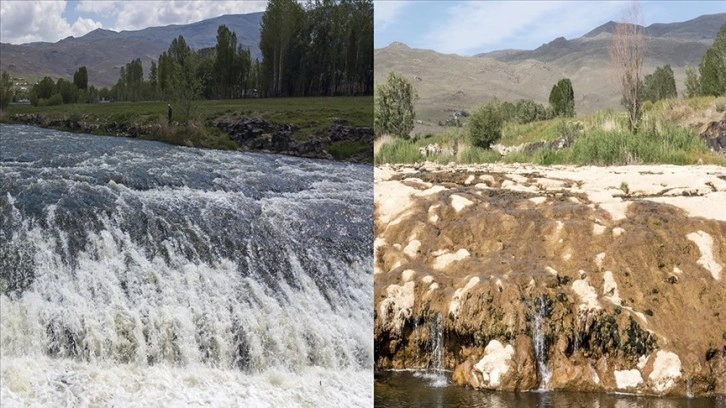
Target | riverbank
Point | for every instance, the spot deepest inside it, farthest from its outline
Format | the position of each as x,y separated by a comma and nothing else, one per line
332,128
603,279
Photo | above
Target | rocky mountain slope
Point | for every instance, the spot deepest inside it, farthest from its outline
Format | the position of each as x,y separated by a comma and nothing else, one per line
103,52
454,82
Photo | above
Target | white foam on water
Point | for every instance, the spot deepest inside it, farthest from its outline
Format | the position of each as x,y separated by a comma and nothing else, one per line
109,320
40,381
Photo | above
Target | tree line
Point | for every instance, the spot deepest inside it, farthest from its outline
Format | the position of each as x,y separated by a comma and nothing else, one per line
324,48
320,48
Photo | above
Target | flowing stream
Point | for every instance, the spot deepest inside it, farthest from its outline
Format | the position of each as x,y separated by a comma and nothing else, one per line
134,273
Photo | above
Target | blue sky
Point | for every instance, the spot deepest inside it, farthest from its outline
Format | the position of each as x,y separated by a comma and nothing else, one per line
472,27
23,21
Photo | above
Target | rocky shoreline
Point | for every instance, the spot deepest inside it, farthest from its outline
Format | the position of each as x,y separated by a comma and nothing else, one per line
251,134
521,277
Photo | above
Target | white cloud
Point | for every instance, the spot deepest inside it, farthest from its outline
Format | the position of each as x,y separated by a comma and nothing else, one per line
139,15
386,13
98,7
475,26
28,21
83,26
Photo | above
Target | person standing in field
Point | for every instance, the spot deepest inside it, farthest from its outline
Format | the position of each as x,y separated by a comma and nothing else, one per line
169,113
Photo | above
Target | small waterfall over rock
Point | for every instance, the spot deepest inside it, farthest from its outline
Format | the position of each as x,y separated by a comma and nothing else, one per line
436,332
539,315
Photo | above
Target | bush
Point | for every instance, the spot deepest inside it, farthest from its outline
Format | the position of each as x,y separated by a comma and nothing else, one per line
56,99
562,98
485,126
659,85
393,107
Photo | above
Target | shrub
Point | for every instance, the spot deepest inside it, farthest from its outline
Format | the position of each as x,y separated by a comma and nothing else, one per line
56,99
562,98
659,85
485,125
393,107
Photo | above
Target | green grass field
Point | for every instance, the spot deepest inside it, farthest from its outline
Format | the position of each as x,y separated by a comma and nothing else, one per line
310,115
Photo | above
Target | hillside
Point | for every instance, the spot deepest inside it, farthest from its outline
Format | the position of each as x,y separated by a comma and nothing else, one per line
103,52
453,82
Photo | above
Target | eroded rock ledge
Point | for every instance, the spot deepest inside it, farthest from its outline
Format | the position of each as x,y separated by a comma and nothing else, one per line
593,279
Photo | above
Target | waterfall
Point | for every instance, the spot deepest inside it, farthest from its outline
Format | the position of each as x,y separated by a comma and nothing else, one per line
540,344
436,332
154,261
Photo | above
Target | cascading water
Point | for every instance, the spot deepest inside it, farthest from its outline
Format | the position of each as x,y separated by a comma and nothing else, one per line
435,374
436,331
136,272
539,314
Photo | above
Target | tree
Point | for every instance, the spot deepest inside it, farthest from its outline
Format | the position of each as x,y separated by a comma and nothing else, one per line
188,88
224,67
692,83
80,78
5,91
68,92
485,125
661,84
562,98
713,66
44,89
281,26
394,107
627,52
154,81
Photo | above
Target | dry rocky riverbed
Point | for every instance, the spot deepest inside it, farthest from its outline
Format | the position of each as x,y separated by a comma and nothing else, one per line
522,277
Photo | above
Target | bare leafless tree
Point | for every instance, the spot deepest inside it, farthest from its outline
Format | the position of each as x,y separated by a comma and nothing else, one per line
627,53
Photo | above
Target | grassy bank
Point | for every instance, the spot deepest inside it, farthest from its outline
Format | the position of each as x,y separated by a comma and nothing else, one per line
310,115
669,134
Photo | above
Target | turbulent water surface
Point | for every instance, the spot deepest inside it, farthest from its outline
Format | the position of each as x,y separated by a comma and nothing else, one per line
404,389
134,273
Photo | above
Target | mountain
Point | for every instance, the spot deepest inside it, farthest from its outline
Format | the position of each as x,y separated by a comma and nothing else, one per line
453,82
103,52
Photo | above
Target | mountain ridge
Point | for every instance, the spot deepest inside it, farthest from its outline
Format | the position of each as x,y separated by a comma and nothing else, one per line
453,82
104,51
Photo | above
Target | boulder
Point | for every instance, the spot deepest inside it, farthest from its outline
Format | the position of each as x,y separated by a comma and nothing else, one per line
715,136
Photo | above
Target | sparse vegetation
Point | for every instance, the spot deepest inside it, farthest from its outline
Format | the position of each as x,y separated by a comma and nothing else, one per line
667,136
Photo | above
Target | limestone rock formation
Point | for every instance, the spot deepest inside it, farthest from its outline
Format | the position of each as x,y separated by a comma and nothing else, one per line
554,277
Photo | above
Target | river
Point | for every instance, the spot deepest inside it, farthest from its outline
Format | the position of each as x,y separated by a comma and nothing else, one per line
428,389
134,273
